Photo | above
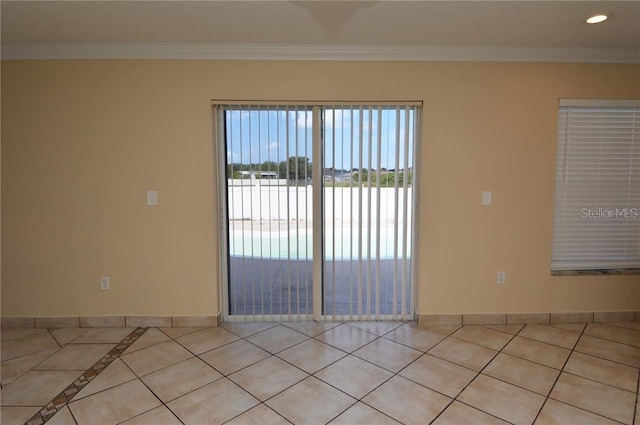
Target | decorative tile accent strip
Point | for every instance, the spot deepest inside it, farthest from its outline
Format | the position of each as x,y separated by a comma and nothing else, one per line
67,395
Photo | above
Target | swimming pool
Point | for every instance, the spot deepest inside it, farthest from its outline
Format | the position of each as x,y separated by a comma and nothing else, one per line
340,244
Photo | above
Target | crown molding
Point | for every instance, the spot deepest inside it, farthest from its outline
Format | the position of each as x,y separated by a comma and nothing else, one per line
424,53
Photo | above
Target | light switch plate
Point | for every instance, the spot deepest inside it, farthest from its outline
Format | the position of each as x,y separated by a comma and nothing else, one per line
152,197
486,197
104,283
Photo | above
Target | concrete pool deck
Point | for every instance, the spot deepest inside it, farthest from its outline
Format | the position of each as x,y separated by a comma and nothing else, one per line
261,286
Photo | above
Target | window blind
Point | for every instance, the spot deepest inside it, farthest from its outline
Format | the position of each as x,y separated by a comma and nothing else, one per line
597,198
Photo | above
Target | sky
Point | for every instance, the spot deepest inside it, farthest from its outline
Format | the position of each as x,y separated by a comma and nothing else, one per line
352,138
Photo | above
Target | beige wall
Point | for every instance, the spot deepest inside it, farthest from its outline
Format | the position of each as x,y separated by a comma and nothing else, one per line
82,141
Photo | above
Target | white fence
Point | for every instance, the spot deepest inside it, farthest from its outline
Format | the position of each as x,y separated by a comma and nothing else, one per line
295,203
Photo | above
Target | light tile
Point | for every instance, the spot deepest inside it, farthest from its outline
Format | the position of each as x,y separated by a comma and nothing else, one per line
115,374
268,377
523,373
614,333
442,329
57,322
499,398
114,405
151,337
75,357
310,402
277,339
9,334
311,328
150,359
148,321
550,335
629,325
360,413
387,354
556,413
158,416
63,417
463,353
458,413
484,319
415,336
194,321
36,388
27,345
603,371
609,350
406,401
525,318
594,397
245,329
510,329
177,380
65,336
354,376
215,403
378,328
15,368
259,415
311,355
346,338
483,336
235,356
178,332
440,375
538,352
17,415
102,322
206,339
573,327
103,336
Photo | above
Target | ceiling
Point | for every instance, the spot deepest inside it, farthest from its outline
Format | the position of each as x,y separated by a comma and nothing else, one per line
269,28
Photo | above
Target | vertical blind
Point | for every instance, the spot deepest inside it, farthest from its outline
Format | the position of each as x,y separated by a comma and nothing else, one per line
368,211
597,198
267,171
337,174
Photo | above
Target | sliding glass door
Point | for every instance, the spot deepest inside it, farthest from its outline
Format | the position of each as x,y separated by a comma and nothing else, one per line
318,210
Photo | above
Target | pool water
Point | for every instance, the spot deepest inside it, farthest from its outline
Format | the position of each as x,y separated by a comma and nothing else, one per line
339,244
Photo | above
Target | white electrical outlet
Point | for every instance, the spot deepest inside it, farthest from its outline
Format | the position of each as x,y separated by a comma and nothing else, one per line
104,283
502,278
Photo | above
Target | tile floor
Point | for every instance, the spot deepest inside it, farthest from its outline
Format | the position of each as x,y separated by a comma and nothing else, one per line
317,373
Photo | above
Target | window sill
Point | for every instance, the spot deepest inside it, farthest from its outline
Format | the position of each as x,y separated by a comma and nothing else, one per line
595,272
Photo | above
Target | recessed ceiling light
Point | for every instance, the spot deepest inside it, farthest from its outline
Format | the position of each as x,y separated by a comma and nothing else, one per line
596,19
